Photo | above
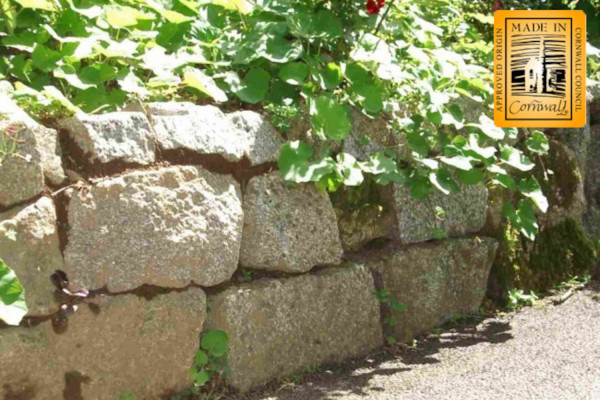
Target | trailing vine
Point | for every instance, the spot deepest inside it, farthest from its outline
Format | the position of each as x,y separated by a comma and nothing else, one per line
421,65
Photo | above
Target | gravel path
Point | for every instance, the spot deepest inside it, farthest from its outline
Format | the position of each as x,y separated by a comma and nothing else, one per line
544,352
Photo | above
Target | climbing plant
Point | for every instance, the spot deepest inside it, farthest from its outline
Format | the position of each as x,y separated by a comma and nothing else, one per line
422,65
12,296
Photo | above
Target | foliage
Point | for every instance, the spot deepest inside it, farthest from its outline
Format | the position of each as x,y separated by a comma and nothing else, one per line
12,296
562,251
517,298
423,65
391,305
210,361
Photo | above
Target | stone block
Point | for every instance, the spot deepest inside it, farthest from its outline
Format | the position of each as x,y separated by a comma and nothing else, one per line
165,227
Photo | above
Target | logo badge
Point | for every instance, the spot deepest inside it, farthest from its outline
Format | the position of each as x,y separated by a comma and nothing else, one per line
539,69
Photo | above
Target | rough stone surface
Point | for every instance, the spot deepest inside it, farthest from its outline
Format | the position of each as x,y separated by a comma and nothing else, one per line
113,137
417,220
361,214
434,280
21,173
165,227
591,218
565,186
29,245
276,327
359,227
260,141
50,153
380,137
120,344
46,140
200,129
288,229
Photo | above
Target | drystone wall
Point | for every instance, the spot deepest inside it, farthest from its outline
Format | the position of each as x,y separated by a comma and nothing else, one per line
175,219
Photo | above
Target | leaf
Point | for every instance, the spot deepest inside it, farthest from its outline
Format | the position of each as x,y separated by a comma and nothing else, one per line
132,84
384,168
123,16
417,143
515,158
522,218
68,73
197,79
291,156
201,357
487,127
420,187
471,177
443,181
295,166
44,58
200,377
294,73
12,296
280,50
36,4
254,86
215,342
538,143
98,73
531,188
372,96
330,76
459,162
241,6
349,170
329,118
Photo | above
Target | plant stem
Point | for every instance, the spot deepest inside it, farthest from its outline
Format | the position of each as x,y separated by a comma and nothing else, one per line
385,13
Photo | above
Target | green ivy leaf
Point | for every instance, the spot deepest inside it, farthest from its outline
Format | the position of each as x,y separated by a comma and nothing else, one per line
197,79
200,357
531,188
538,143
349,170
459,162
522,218
200,377
471,177
329,118
36,4
44,58
420,187
372,97
294,73
417,143
254,86
443,181
330,76
515,158
487,127
68,73
12,296
215,342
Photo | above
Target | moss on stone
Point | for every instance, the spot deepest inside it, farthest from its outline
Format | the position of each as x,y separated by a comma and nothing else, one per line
560,251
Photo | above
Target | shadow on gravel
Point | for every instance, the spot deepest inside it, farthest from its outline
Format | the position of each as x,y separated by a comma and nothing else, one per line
467,334
337,381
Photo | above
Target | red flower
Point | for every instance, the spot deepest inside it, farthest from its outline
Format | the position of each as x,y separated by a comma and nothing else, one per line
497,5
374,6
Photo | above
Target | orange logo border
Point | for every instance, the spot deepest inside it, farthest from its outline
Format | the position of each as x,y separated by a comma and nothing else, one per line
518,103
